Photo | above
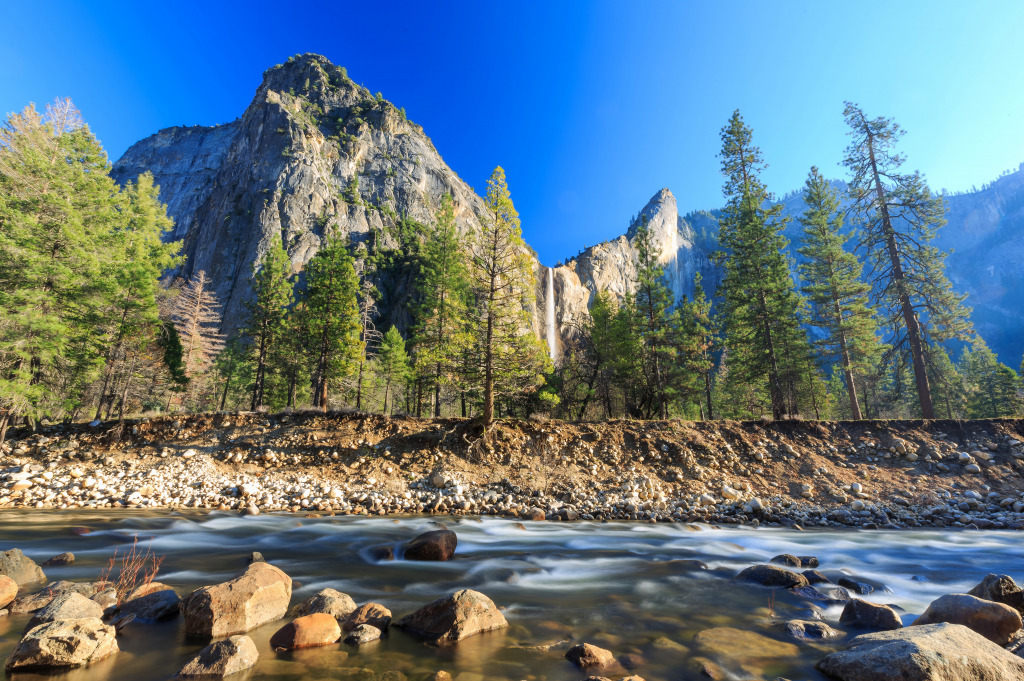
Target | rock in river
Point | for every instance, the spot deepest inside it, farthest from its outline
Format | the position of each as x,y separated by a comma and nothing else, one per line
998,588
437,545
932,652
221,659
151,602
308,631
772,575
860,614
8,591
364,633
586,656
257,596
331,601
454,617
373,614
67,606
62,645
995,621
20,567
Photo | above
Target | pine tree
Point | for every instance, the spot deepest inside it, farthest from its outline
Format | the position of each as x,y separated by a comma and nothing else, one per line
512,360
697,342
993,389
653,304
900,220
834,289
272,291
392,363
760,307
331,317
442,335
369,336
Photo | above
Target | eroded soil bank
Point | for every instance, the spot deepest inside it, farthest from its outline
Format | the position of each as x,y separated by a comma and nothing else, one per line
863,473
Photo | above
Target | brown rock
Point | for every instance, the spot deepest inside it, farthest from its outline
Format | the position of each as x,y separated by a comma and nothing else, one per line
257,596
860,614
42,598
331,601
373,614
436,545
933,652
151,602
584,656
59,560
454,617
8,591
222,658
773,575
995,621
308,631
1001,589
441,675
62,645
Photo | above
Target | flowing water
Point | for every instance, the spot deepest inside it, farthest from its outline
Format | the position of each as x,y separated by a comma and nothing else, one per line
626,587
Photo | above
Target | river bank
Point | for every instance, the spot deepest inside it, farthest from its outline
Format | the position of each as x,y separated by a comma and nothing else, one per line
872,474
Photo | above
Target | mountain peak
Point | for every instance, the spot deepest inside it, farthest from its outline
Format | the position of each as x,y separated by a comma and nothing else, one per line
306,73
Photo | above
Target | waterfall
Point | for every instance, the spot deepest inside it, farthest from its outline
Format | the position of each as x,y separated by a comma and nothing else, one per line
551,313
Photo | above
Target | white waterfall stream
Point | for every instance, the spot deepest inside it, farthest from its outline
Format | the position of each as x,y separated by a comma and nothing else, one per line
550,322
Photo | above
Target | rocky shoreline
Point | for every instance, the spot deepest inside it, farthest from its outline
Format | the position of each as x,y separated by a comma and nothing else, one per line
806,474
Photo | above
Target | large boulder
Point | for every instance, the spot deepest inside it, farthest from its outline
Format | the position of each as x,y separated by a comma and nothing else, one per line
151,602
222,658
67,606
259,595
373,614
454,617
62,645
42,598
586,656
332,602
773,575
308,631
437,545
8,591
1001,589
933,652
20,568
860,614
995,621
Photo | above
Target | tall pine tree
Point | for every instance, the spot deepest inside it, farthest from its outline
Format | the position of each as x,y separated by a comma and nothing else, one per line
901,217
837,295
272,291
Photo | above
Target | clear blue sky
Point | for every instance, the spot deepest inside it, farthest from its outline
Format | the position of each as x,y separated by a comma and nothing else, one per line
591,107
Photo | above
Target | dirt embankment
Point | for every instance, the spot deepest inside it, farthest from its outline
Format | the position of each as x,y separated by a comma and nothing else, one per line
883,473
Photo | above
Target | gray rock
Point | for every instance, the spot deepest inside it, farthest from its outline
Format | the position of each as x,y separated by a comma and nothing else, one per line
67,606
153,602
330,601
452,618
995,621
20,568
772,575
222,658
935,652
1001,589
42,598
63,644
811,630
59,560
860,614
364,633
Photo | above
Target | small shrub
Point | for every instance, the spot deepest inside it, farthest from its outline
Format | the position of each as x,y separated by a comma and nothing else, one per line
132,569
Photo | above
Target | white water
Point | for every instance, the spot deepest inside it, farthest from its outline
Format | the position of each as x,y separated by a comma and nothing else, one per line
551,314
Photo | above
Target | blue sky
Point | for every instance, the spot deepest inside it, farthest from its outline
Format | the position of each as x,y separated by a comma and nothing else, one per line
591,107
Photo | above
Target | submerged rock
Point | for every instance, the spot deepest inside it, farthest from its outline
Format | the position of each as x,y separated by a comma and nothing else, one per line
864,615
20,568
59,560
330,601
810,630
995,621
63,644
454,617
933,652
585,656
1000,589
364,633
222,658
257,596
772,575
436,545
308,631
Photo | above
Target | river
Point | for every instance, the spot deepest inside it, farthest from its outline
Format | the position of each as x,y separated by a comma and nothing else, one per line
627,587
